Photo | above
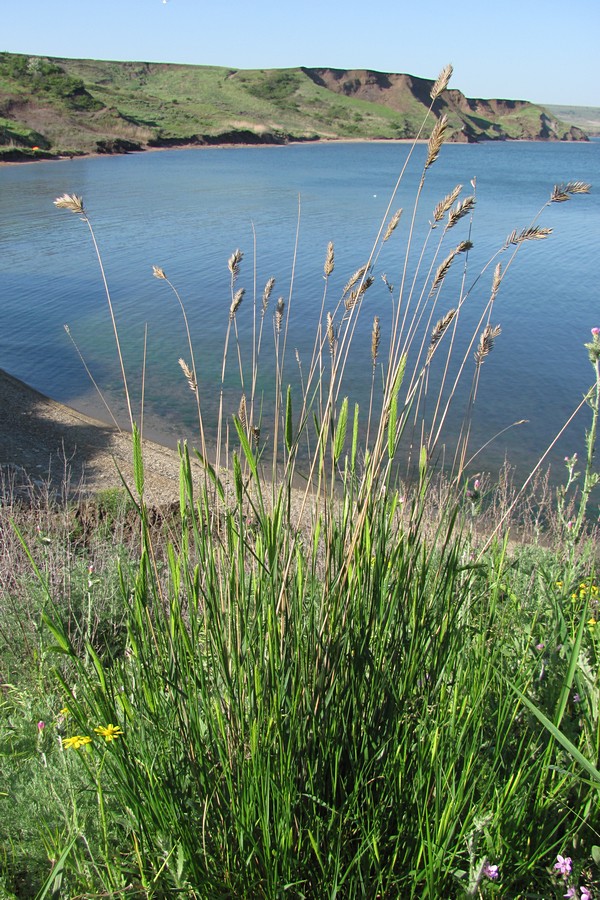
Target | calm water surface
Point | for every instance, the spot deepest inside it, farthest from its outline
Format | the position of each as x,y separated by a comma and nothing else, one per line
187,210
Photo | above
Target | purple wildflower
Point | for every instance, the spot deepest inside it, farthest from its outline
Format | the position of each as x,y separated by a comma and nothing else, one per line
490,872
40,726
563,864
571,892
586,894
596,331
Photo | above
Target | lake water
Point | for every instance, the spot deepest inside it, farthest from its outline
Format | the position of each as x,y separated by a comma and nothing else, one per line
187,210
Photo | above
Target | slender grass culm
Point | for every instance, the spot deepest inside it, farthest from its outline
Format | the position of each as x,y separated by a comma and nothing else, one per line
324,688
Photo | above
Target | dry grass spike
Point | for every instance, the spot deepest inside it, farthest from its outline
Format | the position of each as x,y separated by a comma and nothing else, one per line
267,294
233,263
441,82
375,340
461,209
392,224
439,331
486,342
534,233
71,202
561,192
242,413
329,260
235,303
436,140
444,205
189,375
279,314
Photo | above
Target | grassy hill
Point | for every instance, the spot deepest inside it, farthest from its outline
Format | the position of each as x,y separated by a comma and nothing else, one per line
585,117
68,106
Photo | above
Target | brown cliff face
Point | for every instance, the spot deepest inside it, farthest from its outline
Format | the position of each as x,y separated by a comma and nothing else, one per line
471,119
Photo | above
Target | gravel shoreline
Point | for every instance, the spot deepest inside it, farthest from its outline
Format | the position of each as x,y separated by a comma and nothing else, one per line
43,442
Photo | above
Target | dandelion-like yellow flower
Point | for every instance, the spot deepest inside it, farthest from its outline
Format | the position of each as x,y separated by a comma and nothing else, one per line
64,711
109,732
592,623
77,741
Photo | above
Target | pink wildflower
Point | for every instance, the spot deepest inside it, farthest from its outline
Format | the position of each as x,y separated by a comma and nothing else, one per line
40,726
563,864
596,331
586,894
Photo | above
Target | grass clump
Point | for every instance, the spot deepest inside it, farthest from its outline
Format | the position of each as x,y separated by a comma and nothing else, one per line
327,681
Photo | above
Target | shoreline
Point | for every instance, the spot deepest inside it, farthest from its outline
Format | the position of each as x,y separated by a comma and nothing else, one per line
222,146
47,444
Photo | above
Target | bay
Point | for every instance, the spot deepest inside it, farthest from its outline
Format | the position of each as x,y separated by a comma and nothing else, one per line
187,210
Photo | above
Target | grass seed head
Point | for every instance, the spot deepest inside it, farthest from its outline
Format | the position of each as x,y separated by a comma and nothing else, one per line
441,82
329,260
71,202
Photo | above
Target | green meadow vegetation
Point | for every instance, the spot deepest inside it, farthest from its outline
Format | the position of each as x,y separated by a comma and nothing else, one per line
313,677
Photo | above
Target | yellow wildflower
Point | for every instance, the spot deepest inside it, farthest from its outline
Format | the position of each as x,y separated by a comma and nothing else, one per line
109,732
77,741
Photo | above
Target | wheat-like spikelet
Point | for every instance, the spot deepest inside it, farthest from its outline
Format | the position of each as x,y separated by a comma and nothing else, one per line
444,268
561,192
189,375
329,260
242,413
279,314
534,233
392,225
436,140
444,205
441,82
71,202
354,296
496,281
442,271
462,208
354,278
486,342
375,340
159,273
235,303
331,335
439,331
267,294
233,263
255,430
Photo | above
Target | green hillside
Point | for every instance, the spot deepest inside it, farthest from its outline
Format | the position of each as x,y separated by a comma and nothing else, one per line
585,117
54,107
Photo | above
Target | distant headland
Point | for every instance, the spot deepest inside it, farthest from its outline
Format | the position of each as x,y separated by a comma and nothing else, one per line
52,108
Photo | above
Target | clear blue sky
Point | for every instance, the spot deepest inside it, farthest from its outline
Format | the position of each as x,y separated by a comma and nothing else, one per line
545,52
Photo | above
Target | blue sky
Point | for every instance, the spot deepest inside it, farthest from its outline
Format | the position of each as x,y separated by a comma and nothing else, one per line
543,52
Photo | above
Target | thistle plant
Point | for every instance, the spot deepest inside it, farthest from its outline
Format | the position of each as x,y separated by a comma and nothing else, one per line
573,503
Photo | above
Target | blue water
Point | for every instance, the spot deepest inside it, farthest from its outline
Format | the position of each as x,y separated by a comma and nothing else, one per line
187,210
